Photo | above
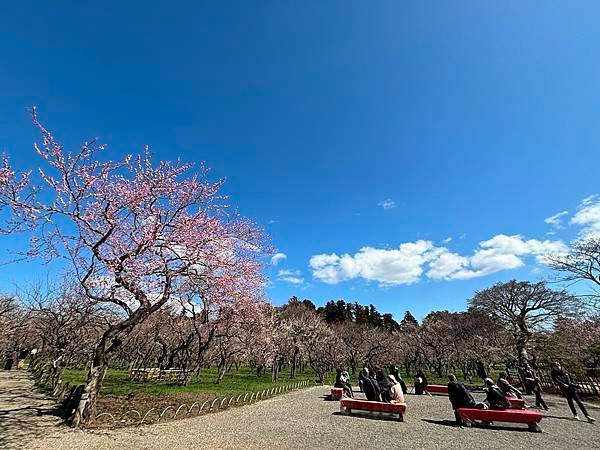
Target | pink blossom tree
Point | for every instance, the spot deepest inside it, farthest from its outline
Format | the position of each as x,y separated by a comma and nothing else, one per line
138,236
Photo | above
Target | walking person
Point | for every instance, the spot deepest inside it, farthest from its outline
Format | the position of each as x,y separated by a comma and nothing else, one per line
569,389
532,384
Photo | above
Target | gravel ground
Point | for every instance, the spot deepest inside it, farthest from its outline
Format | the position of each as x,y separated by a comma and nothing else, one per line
303,419
25,414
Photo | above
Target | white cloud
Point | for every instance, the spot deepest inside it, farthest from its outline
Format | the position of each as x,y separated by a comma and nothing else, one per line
290,276
588,215
408,263
287,272
277,257
293,280
387,204
448,239
556,219
387,266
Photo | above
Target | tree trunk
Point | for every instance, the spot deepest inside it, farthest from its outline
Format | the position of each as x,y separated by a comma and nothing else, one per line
86,408
220,372
274,371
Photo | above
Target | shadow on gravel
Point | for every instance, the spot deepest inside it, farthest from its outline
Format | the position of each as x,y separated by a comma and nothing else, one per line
365,415
451,423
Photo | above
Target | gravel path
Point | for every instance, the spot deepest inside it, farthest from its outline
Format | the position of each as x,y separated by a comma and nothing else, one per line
302,419
25,414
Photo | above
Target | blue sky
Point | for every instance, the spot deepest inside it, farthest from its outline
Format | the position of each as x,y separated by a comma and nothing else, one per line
339,125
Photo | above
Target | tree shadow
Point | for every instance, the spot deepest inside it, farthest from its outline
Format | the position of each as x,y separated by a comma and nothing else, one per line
452,423
25,413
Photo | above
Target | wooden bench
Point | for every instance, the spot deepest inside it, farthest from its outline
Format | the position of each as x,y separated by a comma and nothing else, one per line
350,406
337,393
436,389
516,403
531,418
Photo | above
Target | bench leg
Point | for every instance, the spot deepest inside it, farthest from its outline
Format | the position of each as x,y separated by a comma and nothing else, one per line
400,417
534,427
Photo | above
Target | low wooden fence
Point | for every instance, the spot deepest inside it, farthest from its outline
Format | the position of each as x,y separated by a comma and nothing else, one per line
586,385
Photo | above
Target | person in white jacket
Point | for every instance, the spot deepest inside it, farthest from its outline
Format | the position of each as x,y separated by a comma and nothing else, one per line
396,395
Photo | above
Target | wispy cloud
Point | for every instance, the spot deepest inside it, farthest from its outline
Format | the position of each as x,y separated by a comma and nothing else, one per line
277,258
387,204
556,219
290,276
588,216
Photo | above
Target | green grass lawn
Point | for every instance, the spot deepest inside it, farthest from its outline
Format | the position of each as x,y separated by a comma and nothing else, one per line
117,382
235,382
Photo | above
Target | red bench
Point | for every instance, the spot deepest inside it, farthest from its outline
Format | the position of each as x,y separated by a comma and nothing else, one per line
516,403
349,406
436,389
531,418
337,393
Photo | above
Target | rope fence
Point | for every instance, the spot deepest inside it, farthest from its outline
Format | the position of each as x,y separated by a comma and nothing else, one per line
153,415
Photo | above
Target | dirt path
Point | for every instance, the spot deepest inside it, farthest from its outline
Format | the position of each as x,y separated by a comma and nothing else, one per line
25,415
302,419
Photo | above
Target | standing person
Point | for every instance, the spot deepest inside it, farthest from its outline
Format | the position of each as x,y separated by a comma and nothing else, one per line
532,384
420,383
459,397
569,389
396,394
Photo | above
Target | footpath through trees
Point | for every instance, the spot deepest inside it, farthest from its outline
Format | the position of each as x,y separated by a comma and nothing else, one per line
25,414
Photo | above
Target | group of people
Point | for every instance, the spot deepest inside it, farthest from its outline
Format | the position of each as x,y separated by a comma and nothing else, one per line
391,389
498,394
375,384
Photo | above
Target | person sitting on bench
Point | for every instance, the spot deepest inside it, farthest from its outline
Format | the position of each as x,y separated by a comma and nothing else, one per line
394,371
396,394
508,389
459,397
384,386
371,389
341,382
420,383
361,378
494,399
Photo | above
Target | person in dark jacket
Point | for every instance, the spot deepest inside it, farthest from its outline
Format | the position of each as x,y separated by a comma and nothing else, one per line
361,378
532,384
420,383
567,385
396,373
459,397
9,359
371,389
384,386
508,389
495,398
